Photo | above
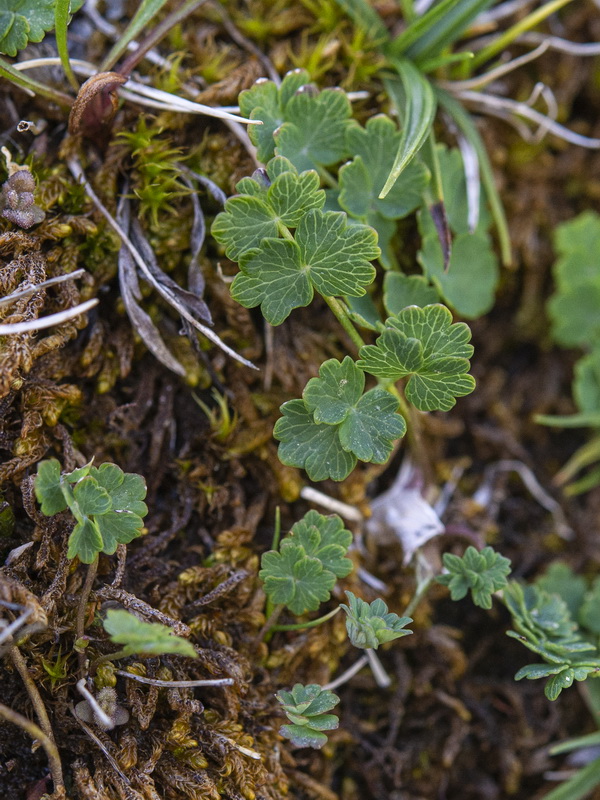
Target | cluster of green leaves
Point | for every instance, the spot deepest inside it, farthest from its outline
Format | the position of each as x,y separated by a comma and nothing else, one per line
424,50
545,625
106,502
575,316
280,270
306,707
336,423
24,21
314,130
480,572
144,638
310,559
371,624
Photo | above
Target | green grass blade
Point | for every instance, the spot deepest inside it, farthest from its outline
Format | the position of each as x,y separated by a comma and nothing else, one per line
415,100
145,13
589,740
580,785
19,79
467,127
366,19
62,15
441,25
500,43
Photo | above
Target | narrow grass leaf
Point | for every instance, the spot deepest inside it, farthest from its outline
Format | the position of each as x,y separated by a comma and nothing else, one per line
415,100
147,10
366,19
467,127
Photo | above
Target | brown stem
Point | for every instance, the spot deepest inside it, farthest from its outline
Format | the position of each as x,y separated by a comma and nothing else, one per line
49,746
32,690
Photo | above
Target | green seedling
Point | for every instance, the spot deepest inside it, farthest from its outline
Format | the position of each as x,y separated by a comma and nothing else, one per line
288,247
304,125
143,638
335,423
306,707
371,624
481,573
106,502
310,559
544,625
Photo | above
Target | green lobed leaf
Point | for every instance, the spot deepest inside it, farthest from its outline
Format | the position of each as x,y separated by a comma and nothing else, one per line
272,197
296,580
127,490
560,579
118,527
544,625
85,541
426,345
327,255
23,21
266,102
315,448
401,291
314,131
144,638
337,389
362,180
324,538
47,487
367,424
305,707
481,573
469,283
91,498
371,624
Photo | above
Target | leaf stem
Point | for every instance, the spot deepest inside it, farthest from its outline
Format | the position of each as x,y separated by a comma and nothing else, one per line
349,673
300,626
343,318
123,653
32,690
272,614
80,621
61,22
418,596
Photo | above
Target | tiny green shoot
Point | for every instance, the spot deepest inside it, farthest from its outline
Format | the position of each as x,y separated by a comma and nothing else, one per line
306,708
106,502
482,573
371,624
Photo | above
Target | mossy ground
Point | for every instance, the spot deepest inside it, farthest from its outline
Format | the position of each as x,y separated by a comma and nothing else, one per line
454,724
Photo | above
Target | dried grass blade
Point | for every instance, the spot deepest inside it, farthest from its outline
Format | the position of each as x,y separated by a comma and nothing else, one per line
78,173
49,321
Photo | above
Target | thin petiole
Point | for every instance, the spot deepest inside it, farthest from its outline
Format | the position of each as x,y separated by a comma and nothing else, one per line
300,626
